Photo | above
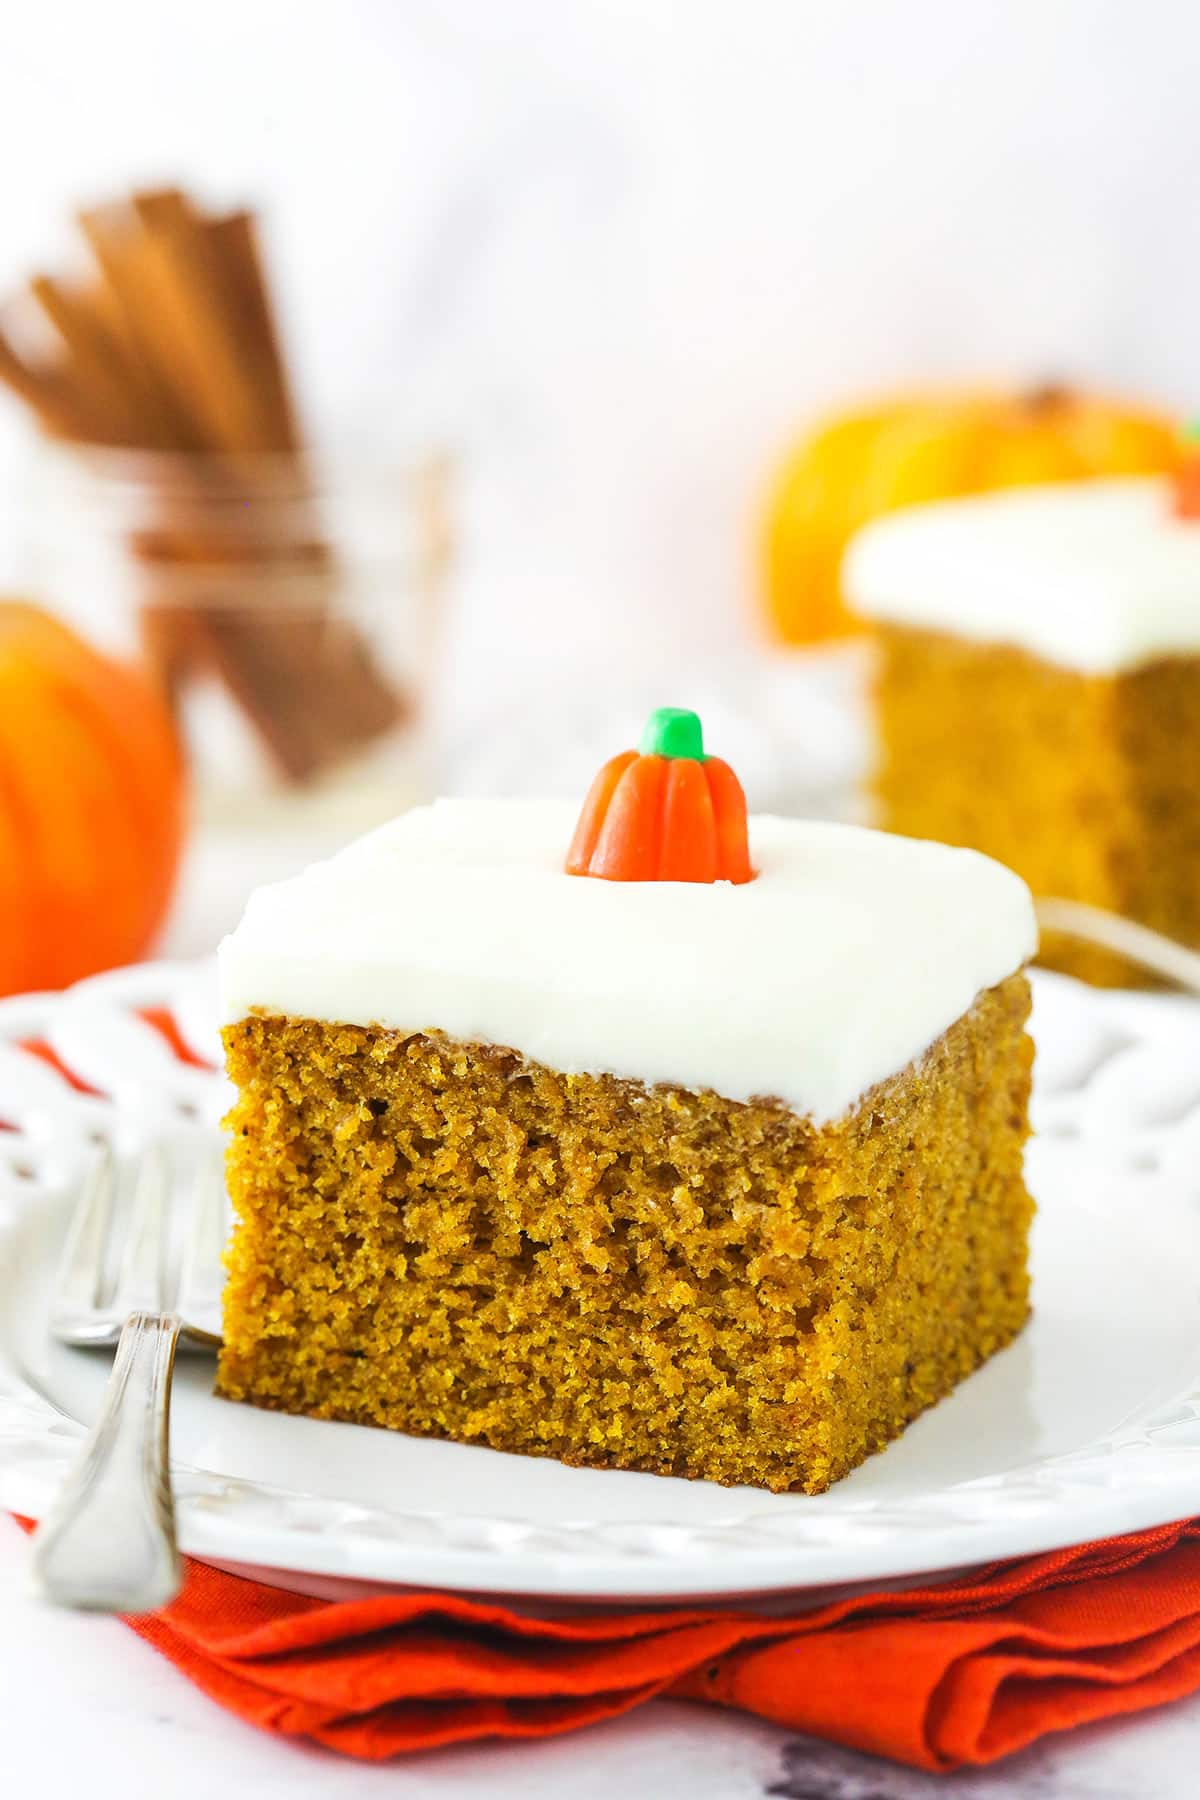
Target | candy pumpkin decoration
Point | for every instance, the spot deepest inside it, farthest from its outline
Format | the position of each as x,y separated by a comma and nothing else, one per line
926,448
91,805
1187,475
664,812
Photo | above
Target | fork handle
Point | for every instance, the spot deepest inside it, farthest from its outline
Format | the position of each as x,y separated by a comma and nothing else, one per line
108,1544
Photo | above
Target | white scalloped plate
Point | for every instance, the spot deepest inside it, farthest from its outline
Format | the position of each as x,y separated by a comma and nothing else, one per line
1089,1425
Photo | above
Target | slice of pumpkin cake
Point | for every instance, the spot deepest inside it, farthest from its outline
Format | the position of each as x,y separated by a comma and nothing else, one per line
654,1141
1038,691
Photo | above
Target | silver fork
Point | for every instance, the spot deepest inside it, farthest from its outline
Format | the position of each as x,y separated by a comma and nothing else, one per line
1110,931
108,1543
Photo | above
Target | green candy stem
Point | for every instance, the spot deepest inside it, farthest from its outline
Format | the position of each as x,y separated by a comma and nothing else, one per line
673,731
1191,431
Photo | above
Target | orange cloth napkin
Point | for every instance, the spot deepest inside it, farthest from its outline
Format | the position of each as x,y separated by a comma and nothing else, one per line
936,1676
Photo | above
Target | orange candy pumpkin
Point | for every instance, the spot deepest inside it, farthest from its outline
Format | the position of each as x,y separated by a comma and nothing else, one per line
664,812
91,805
922,448
1187,475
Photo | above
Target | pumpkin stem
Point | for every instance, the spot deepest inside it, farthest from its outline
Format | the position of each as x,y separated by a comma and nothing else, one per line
1046,397
673,731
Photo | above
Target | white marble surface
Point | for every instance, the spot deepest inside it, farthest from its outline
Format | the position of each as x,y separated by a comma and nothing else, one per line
86,1707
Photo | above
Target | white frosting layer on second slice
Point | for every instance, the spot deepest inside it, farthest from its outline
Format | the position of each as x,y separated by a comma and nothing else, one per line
1098,576
846,958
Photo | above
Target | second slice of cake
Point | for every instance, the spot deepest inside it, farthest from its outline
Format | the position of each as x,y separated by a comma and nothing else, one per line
1038,693
709,1178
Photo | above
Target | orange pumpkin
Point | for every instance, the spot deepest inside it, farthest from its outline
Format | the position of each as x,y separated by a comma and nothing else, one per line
927,447
664,812
91,805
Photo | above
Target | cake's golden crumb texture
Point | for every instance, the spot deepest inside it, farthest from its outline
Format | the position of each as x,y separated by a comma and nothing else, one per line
447,1239
1086,785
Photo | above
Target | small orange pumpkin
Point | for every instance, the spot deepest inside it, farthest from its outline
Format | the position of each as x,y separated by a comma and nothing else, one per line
926,447
664,812
91,805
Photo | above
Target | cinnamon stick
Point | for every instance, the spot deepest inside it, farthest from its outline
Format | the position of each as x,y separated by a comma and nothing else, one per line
58,410
234,240
174,349
99,364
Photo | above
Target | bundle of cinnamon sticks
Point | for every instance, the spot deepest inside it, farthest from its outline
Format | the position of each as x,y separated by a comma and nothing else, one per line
170,348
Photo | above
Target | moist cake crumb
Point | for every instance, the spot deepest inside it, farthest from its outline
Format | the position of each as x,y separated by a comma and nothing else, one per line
452,1240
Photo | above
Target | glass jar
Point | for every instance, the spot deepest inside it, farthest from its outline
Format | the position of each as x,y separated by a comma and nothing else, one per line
291,610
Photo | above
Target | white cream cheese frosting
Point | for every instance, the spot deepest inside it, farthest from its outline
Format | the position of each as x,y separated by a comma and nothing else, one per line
1097,576
847,956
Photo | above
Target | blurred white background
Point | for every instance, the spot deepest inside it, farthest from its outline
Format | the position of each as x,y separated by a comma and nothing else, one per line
616,250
